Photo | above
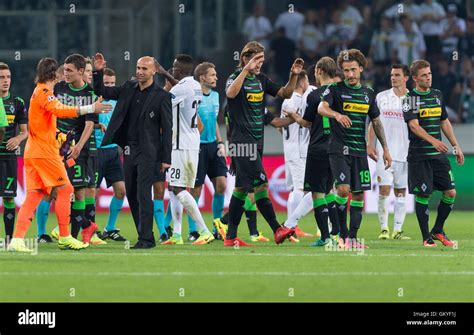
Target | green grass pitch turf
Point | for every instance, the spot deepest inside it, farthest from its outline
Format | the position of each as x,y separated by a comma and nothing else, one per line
390,271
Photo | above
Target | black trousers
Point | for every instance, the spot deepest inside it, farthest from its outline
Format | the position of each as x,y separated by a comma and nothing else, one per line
139,175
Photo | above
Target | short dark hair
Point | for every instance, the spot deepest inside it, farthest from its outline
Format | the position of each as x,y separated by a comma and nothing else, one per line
328,66
311,77
187,63
201,69
405,68
418,65
77,60
301,76
109,72
4,66
46,70
184,59
350,56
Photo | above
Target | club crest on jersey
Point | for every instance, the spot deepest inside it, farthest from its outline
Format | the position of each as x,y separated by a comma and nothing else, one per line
367,99
438,101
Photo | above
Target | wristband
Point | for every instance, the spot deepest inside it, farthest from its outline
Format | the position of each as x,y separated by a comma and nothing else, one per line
89,109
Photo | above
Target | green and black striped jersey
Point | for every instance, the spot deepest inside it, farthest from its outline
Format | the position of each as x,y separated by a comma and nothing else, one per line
83,96
247,111
15,111
320,125
356,102
429,109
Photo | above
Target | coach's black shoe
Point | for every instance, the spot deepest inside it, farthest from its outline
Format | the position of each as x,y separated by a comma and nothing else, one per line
142,245
45,238
164,237
169,231
113,235
193,236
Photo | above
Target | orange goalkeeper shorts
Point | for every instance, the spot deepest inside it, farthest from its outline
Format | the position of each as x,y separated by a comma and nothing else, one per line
45,173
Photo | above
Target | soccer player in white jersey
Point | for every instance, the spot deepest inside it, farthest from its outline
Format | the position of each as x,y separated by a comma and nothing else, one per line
391,115
295,147
185,99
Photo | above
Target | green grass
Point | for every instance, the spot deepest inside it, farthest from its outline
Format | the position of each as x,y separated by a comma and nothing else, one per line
399,271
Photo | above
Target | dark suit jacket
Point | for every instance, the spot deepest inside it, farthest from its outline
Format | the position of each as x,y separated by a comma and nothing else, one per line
156,125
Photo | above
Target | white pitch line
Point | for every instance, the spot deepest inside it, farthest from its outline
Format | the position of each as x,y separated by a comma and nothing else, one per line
240,274
243,253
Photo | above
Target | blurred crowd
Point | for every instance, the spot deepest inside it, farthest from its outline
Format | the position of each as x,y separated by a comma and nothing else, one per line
387,32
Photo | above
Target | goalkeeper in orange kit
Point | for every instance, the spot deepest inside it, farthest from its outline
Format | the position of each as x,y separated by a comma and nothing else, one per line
44,167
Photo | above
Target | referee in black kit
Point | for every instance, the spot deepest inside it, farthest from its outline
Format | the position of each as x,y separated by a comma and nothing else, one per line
142,126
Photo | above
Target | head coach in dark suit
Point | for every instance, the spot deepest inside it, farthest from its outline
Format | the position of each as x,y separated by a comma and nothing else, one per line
142,126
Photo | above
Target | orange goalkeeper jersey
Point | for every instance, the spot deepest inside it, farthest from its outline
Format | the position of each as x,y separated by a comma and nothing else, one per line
42,114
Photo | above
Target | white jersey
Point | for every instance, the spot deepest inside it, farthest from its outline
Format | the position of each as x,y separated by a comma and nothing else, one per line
295,137
395,128
186,97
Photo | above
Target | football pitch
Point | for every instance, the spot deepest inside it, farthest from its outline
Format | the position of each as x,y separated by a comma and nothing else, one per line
390,271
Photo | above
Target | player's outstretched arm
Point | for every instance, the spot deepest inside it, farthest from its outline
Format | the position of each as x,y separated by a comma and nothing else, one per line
54,106
279,122
109,93
298,119
380,133
448,131
325,110
286,91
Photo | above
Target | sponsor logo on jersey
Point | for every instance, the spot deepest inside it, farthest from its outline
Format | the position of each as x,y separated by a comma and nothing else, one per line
11,119
255,97
356,108
430,112
392,114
